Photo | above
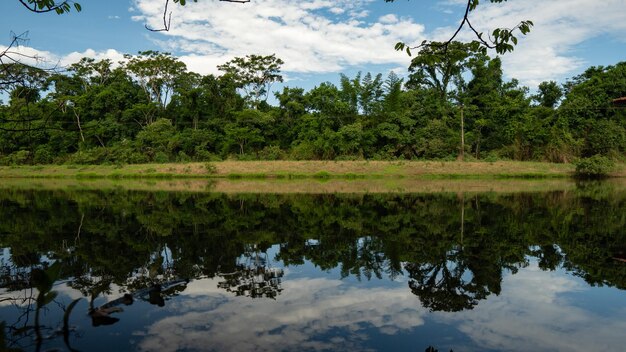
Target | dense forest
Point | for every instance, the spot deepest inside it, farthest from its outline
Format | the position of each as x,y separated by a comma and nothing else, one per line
454,102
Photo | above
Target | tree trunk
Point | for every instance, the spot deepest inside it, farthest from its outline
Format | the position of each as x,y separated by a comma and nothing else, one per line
80,129
462,155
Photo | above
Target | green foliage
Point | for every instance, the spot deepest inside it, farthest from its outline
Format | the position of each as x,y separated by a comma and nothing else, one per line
549,94
272,152
151,108
183,157
18,158
43,155
157,138
60,7
303,151
589,114
255,75
595,166
161,157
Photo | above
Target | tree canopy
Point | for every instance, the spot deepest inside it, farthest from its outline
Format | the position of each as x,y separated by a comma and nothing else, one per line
151,109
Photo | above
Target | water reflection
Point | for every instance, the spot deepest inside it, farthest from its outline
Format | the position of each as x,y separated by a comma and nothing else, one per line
386,261
253,277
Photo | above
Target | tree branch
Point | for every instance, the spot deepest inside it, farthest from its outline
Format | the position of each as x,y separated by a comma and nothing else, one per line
44,6
500,41
167,17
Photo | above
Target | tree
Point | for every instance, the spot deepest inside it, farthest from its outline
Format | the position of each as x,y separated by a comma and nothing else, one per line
393,93
483,98
435,67
254,74
156,73
549,94
247,130
588,111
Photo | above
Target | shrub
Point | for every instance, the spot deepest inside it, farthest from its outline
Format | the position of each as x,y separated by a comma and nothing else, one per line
20,157
490,158
183,157
303,151
593,167
201,154
43,155
161,158
210,168
272,152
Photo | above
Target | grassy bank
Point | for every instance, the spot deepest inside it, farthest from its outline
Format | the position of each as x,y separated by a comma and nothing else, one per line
304,169
302,186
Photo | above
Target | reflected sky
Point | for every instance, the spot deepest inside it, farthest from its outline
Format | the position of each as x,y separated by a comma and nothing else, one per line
536,311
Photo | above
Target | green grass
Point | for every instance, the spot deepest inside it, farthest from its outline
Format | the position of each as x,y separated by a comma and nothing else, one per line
321,170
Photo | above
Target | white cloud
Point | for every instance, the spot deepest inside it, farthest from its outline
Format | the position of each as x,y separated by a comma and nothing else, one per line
323,36
536,310
390,18
302,33
306,309
47,60
533,313
30,56
560,25
111,54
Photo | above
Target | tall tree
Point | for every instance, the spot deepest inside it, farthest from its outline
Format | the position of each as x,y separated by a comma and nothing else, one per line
156,73
436,67
254,74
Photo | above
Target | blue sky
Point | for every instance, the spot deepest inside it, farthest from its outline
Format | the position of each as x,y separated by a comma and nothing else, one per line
318,39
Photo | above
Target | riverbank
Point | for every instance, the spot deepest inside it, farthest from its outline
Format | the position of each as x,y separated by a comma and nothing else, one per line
302,186
305,169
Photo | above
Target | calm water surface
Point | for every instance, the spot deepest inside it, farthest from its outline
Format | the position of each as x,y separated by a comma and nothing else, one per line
173,271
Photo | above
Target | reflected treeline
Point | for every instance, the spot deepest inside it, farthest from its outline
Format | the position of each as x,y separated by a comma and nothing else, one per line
453,248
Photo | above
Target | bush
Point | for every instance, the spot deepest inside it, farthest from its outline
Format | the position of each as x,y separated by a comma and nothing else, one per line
272,152
303,151
43,155
183,157
204,155
161,158
593,167
490,158
20,157
87,157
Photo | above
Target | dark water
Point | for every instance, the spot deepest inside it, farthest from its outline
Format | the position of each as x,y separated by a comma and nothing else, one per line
181,271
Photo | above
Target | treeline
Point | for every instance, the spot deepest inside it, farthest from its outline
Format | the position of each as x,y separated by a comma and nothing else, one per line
453,103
